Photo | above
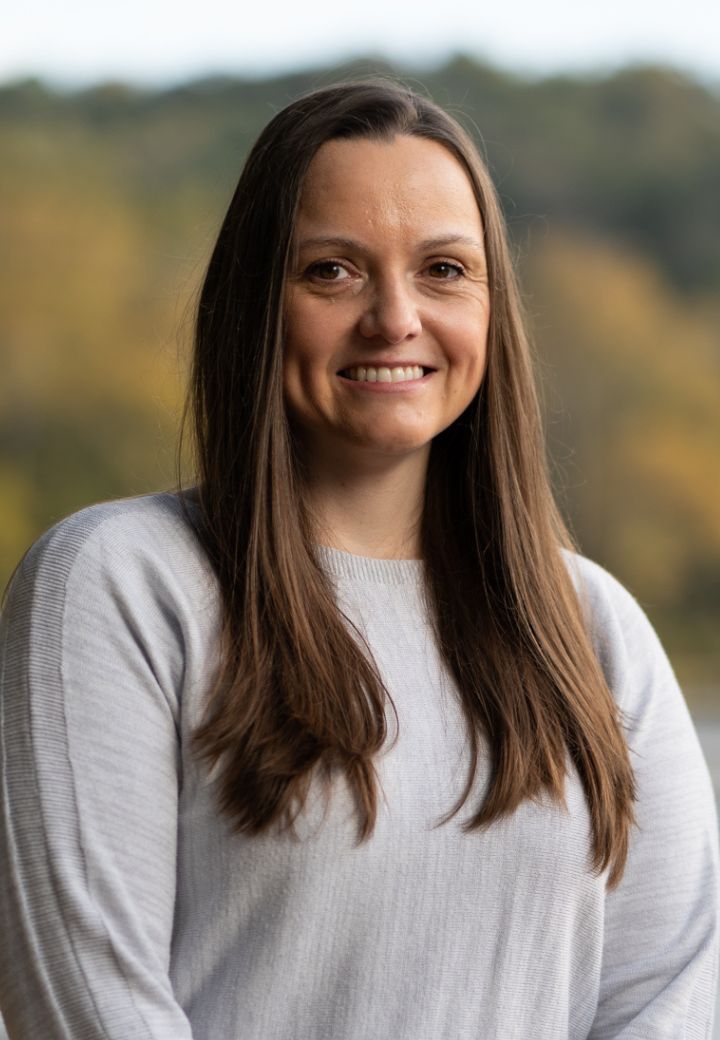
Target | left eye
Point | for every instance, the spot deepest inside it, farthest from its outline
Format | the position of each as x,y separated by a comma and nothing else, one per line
328,271
445,270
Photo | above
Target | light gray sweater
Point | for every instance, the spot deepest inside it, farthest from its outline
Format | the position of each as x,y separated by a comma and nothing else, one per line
128,910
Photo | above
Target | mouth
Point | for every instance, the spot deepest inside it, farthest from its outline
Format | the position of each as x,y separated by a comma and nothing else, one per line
385,374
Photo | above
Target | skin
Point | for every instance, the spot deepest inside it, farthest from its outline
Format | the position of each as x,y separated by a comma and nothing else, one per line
389,268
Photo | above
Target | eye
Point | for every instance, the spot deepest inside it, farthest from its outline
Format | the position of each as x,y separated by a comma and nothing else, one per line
328,271
445,270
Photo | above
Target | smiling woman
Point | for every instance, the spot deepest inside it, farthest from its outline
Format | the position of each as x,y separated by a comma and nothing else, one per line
387,310
240,720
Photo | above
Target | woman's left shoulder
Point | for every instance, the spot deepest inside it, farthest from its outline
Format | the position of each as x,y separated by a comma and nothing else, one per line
601,594
631,655
654,714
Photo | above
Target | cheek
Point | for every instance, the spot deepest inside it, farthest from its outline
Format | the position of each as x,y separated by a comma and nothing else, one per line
300,348
295,353
295,348
299,330
467,347
307,376
309,341
466,350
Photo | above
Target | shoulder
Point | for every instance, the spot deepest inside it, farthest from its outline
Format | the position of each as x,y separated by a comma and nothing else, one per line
605,601
146,545
631,655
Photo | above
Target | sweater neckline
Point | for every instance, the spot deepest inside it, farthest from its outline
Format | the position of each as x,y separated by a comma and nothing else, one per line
342,564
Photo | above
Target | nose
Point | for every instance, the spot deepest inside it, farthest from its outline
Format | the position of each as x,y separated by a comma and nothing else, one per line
391,313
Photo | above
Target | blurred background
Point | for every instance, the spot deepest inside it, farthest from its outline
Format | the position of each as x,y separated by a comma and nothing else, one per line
122,134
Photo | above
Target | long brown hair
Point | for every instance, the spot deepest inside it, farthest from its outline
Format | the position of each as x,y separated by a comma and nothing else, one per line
298,693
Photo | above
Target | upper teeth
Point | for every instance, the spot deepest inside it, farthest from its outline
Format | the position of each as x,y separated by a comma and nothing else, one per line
385,375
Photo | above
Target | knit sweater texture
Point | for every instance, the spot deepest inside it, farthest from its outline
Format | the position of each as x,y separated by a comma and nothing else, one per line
129,910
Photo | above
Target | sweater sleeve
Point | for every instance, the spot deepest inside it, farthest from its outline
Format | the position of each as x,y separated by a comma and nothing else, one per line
90,668
660,945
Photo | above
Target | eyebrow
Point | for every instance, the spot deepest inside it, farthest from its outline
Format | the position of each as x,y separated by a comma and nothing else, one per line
426,244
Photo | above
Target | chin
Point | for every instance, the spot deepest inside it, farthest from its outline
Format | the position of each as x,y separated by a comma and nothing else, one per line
394,446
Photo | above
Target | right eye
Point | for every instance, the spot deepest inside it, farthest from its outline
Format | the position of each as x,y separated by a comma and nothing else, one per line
328,271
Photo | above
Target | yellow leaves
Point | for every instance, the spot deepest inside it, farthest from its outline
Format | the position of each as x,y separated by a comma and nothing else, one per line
16,517
95,321
633,370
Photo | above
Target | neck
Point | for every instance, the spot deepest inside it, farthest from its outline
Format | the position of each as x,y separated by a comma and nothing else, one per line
373,508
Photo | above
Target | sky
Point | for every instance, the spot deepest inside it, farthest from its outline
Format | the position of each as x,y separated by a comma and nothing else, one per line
157,42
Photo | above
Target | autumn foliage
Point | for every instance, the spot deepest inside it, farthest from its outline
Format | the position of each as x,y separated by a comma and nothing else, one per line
110,202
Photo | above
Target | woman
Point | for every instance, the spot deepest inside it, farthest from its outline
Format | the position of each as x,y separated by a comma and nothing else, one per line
240,725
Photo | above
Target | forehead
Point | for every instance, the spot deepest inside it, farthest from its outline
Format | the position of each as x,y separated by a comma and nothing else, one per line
402,185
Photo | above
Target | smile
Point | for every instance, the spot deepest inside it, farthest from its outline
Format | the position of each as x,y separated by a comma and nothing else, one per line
369,374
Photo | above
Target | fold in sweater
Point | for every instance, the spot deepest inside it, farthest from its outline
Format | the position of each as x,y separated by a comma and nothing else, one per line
130,911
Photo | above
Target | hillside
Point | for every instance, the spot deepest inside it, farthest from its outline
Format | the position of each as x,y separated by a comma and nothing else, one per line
110,201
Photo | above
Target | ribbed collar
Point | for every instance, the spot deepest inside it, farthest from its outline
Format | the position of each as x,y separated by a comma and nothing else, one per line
366,568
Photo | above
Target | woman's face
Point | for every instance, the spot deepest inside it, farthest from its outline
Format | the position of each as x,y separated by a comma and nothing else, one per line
387,304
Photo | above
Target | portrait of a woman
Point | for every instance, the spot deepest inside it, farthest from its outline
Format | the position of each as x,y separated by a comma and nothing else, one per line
346,741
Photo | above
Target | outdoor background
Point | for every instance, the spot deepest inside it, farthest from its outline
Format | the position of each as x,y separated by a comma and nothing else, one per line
111,198
116,167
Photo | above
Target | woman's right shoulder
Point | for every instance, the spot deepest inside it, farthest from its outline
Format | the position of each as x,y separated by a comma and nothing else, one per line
145,541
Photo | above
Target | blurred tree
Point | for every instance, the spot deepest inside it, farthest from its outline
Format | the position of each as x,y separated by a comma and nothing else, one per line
632,377
111,201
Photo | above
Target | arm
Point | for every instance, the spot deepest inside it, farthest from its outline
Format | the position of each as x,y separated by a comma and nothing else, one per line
660,950
89,757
